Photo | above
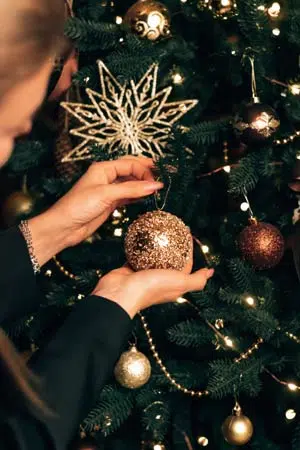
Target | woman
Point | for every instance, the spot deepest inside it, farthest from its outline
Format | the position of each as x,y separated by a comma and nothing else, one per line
79,358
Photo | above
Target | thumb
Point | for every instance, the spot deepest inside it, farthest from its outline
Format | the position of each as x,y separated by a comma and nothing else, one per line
197,280
130,190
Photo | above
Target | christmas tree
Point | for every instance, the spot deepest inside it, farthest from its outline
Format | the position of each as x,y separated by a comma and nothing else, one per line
211,90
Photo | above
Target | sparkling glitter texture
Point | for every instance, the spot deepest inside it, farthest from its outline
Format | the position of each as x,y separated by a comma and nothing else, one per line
262,245
158,240
133,369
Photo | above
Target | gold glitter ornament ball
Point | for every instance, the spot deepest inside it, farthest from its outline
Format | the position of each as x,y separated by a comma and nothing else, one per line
158,240
133,369
261,244
149,19
237,429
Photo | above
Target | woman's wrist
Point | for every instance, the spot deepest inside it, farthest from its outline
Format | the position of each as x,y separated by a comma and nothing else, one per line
49,236
129,305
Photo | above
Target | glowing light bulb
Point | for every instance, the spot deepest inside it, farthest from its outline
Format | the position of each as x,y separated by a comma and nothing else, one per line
225,2
261,8
203,441
157,447
117,214
250,301
276,31
183,1
292,387
233,52
155,20
298,156
244,206
158,417
205,249
119,20
295,89
274,10
227,169
177,78
181,300
290,414
48,273
118,232
228,342
80,296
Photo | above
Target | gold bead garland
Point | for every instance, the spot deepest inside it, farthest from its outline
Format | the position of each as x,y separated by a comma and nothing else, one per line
69,274
243,356
249,352
172,380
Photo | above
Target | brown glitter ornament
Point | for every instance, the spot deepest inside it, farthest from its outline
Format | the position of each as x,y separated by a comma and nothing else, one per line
261,244
133,369
237,428
158,240
149,19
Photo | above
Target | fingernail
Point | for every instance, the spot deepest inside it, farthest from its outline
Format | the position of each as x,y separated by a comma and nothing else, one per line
210,272
153,186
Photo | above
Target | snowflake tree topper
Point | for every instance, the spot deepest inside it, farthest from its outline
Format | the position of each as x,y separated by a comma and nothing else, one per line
132,117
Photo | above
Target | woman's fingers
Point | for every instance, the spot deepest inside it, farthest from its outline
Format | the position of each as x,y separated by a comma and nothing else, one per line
129,190
109,171
197,280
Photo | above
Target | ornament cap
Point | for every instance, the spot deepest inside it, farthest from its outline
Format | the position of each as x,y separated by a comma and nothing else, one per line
256,99
237,410
253,220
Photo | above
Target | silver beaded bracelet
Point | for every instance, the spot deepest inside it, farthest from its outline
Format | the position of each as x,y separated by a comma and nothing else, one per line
25,230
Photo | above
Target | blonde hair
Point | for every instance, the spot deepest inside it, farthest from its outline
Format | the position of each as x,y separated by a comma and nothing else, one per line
31,33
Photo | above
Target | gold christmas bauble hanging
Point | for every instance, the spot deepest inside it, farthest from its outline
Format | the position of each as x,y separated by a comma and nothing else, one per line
133,369
237,428
149,19
158,240
261,244
17,205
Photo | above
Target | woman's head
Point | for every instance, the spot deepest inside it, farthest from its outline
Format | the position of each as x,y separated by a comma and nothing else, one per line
31,36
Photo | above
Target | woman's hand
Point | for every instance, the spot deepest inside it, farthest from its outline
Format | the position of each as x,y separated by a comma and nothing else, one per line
103,188
135,291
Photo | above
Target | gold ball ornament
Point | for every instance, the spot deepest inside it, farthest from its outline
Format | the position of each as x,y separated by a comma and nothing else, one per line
261,244
158,240
133,369
17,205
237,428
149,19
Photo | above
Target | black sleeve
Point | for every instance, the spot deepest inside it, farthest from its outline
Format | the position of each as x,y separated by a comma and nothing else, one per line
17,280
75,365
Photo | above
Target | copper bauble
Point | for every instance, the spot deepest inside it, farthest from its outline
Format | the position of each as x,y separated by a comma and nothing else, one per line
17,205
158,240
261,244
148,19
66,170
256,123
133,369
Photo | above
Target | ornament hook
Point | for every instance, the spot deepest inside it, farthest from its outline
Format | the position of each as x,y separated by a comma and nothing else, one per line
157,196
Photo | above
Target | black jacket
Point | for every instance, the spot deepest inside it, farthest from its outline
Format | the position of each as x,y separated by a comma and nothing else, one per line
73,366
